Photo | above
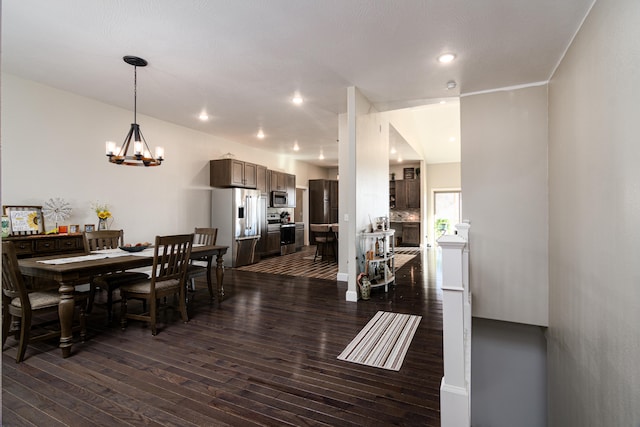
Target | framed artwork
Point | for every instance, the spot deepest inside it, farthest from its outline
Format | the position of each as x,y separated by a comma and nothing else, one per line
89,227
25,220
74,228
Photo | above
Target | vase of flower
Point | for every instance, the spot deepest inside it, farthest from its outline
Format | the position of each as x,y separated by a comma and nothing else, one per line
103,212
102,224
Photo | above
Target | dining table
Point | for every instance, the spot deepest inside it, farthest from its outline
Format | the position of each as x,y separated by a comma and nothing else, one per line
75,269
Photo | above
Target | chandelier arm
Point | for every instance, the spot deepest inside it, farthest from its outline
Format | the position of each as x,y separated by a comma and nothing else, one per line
125,144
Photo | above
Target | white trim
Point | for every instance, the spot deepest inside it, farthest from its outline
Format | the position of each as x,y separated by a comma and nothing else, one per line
342,277
504,89
351,296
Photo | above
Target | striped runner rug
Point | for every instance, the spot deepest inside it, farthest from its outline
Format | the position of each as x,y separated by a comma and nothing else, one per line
383,342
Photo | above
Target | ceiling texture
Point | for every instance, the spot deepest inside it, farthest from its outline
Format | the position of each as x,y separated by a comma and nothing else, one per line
242,61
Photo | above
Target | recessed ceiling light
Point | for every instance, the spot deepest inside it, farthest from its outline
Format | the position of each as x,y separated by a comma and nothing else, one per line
443,102
260,134
321,156
296,147
446,58
399,159
393,150
452,138
297,99
451,84
203,116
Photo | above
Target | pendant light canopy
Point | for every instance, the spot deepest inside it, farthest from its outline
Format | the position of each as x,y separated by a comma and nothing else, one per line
140,153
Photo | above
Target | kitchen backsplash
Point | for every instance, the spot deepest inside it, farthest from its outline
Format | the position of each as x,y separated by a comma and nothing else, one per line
404,215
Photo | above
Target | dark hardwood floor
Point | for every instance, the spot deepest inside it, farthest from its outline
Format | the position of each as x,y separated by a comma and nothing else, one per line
268,356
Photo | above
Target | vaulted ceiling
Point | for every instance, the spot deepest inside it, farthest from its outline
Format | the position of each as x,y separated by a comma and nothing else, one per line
242,61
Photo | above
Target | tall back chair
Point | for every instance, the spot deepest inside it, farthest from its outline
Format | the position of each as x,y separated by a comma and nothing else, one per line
108,239
168,277
18,302
202,266
323,238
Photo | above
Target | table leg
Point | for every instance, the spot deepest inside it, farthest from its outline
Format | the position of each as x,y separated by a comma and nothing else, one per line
65,312
220,277
209,283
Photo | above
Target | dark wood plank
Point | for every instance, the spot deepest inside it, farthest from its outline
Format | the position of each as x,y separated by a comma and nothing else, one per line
267,356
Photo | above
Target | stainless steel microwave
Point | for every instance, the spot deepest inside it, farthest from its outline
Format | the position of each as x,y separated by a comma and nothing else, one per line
279,199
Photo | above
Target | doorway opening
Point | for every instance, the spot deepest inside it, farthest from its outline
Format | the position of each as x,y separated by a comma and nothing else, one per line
447,211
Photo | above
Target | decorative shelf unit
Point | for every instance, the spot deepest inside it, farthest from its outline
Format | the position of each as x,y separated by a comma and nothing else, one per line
377,257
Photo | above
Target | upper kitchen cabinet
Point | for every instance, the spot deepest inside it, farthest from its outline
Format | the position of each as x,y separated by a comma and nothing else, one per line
261,179
407,193
233,173
284,182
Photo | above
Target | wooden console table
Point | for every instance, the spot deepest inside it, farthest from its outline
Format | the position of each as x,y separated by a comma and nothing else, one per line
46,244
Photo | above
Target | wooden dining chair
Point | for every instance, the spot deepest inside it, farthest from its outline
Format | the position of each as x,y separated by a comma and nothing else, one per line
323,239
108,239
19,303
202,266
168,278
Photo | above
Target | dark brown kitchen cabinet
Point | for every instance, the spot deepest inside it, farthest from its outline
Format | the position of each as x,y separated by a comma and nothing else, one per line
407,193
233,173
299,235
273,239
411,233
290,181
261,179
277,181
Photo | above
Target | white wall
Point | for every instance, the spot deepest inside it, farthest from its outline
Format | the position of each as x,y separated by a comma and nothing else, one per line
504,185
53,146
594,238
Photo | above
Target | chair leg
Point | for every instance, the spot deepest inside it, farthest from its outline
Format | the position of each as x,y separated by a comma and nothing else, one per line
152,316
183,309
25,329
92,295
123,310
6,323
109,305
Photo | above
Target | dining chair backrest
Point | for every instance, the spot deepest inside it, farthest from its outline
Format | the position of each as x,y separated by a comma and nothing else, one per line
171,257
13,285
321,232
103,239
319,228
205,236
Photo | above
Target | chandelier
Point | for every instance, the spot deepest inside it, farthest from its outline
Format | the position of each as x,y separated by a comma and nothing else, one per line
140,153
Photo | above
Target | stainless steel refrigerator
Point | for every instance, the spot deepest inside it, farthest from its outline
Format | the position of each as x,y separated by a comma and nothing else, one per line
236,213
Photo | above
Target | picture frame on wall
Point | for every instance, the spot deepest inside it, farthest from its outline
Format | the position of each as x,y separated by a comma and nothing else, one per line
25,220
74,228
88,228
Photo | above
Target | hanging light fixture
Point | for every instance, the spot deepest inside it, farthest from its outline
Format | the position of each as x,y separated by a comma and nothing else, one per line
141,155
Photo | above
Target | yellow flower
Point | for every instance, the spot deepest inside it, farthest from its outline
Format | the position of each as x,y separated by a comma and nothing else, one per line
104,214
32,220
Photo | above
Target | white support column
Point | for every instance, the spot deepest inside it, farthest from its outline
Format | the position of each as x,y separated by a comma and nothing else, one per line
454,389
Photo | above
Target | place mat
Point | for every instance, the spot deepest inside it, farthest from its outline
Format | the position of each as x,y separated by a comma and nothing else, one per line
383,342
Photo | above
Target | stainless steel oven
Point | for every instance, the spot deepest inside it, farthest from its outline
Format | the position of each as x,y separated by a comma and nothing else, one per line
287,238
